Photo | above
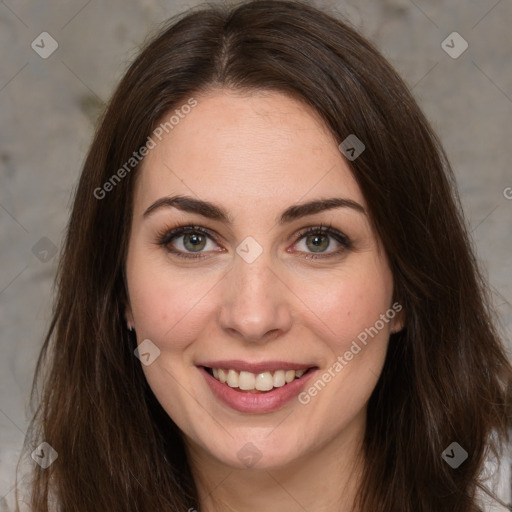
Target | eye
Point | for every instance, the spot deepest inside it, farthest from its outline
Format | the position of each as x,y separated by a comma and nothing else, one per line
193,241
318,240
187,241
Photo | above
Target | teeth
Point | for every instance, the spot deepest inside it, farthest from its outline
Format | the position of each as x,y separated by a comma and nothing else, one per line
279,378
289,375
246,381
232,380
265,381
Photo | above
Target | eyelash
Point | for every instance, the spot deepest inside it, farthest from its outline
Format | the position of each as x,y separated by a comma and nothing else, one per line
167,235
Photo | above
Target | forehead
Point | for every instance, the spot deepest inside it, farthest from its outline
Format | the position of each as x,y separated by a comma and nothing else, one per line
248,151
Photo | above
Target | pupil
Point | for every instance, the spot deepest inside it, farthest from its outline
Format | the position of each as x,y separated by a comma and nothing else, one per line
319,242
195,241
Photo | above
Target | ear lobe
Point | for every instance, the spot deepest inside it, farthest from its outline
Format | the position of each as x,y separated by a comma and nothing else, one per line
129,317
398,322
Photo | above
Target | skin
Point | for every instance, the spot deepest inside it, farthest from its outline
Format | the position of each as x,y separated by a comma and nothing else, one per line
255,155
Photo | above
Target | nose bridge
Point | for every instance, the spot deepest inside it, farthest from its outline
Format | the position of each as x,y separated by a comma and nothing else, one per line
254,302
252,277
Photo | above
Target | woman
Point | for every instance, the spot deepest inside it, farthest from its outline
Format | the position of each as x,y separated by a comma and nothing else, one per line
267,298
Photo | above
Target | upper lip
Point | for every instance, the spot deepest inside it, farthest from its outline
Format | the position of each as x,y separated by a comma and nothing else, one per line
264,366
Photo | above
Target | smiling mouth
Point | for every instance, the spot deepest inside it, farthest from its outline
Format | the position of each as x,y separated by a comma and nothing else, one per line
264,382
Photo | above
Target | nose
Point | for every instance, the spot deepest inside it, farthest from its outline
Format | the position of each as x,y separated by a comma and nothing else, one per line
256,304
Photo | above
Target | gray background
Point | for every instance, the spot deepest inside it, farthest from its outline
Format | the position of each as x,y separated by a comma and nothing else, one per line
48,109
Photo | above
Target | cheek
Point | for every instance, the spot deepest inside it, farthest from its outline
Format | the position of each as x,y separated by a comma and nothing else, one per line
349,323
168,306
350,304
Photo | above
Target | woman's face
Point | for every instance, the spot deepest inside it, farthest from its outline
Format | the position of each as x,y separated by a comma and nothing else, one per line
251,294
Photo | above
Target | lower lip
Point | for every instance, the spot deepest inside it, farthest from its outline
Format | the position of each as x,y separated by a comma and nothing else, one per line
256,402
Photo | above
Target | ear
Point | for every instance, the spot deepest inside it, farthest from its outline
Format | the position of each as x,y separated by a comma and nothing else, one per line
129,317
398,321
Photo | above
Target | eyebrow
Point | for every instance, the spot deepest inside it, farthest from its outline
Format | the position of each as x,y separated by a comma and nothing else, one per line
216,212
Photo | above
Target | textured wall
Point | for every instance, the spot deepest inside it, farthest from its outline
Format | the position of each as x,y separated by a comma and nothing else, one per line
48,107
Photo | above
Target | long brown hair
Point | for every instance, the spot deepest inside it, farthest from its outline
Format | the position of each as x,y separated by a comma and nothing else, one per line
446,376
